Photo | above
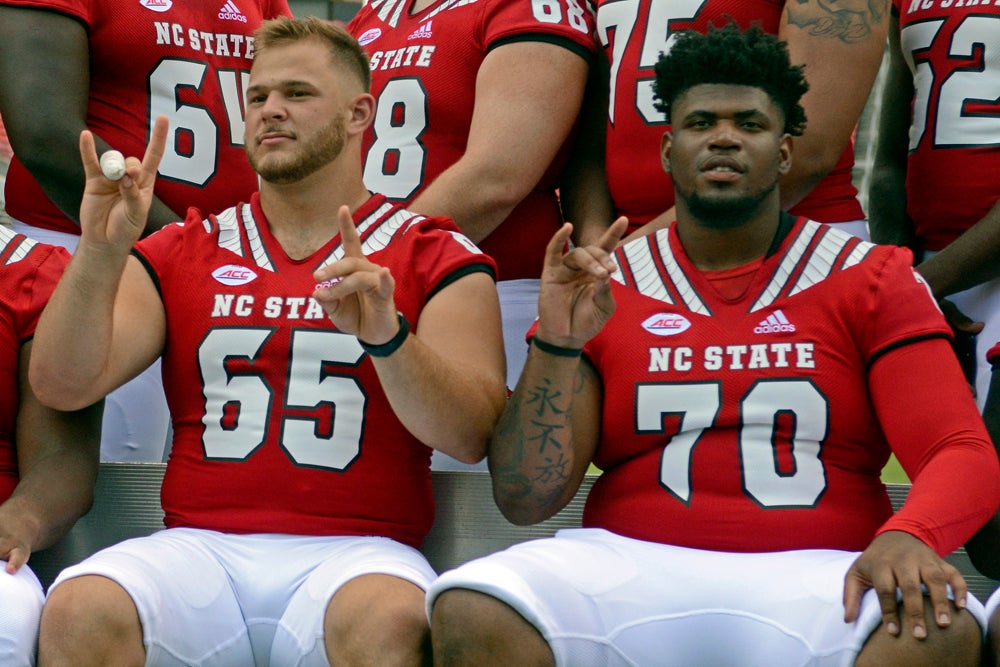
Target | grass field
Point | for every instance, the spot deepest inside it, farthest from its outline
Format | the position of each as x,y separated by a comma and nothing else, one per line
893,473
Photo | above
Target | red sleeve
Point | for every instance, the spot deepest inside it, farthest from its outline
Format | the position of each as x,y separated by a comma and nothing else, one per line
993,354
567,23
946,450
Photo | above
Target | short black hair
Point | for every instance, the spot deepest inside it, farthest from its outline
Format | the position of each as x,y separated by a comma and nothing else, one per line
729,55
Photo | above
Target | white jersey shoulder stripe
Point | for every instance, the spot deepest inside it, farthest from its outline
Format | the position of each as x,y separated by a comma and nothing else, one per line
684,287
18,245
649,282
257,248
377,229
229,231
230,221
812,258
391,10
451,4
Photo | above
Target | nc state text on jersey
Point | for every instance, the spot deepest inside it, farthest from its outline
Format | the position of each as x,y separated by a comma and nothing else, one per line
733,357
917,5
417,56
274,307
212,43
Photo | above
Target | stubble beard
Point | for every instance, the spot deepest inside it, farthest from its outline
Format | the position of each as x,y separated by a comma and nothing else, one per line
328,144
725,212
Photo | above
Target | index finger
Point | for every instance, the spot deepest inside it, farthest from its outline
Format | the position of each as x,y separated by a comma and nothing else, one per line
557,244
613,235
349,238
88,154
156,146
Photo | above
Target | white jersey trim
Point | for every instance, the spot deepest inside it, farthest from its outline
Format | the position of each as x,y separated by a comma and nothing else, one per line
24,245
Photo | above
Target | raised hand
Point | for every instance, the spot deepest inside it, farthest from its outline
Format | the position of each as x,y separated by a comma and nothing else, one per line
575,299
114,212
894,560
356,293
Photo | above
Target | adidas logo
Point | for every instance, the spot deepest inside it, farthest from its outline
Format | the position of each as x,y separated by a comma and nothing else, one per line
423,32
230,12
776,322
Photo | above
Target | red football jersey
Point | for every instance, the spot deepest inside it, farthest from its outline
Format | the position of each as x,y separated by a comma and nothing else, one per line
424,69
28,273
187,61
633,34
953,50
744,424
280,422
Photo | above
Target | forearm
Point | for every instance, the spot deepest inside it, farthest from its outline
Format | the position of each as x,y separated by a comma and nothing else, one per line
662,221
888,221
446,404
586,201
583,191
533,455
841,48
63,179
971,259
477,197
940,441
49,500
938,516
517,128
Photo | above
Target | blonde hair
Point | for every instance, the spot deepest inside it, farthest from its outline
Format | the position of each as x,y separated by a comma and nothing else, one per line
344,50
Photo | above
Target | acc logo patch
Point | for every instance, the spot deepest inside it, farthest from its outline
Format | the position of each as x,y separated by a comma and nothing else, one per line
666,324
231,274
157,5
369,36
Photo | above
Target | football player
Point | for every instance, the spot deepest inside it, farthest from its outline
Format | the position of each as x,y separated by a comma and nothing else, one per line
48,458
475,103
932,187
735,376
113,67
316,341
616,169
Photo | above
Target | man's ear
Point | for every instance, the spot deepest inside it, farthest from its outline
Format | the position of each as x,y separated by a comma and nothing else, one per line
785,152
362,110
665,143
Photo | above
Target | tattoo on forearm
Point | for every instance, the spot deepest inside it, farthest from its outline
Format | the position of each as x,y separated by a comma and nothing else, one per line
544,399
534,461
545,435
850,21
553,470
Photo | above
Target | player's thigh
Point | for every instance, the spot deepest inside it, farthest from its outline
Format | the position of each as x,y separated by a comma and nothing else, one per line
992,613
21,600
186,605
601,599
299,639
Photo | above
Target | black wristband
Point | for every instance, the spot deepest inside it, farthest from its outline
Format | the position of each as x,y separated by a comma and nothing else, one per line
555,349
391,345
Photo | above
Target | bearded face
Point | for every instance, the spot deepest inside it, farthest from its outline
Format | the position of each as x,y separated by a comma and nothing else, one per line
309,154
